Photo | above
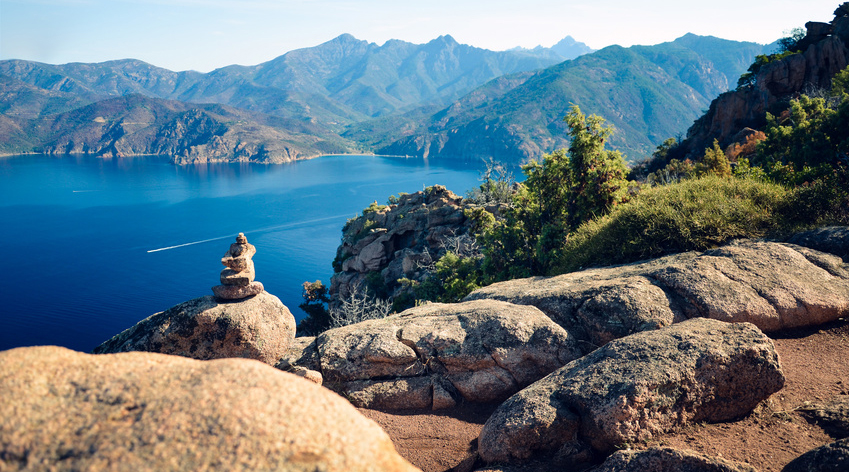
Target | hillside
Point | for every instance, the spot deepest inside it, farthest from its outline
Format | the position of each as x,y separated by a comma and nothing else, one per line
315,91
349,95
138,125
648,92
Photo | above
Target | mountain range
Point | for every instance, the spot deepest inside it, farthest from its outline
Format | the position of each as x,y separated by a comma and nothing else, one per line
439,99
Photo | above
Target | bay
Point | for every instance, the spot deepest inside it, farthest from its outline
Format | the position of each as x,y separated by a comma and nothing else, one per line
91,246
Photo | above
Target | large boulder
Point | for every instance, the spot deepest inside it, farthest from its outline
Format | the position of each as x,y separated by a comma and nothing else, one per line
832,457
635,388
432,355
830,239
773,286
64,410
663,459
259,327
831,416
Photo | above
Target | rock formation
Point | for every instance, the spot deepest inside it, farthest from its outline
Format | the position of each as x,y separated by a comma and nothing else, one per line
242,320
832,457
436,355
663,459
830,239
824,52
64,410
237,279
772,285
831,416
635,388
259,327
398,240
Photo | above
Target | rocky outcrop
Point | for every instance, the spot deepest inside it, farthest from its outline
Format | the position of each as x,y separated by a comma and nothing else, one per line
772,285
832,457
435,355
830,239
64,410
398,240
832,416
259,327
635,388
823,53
302,360
237,279
240,321
663,459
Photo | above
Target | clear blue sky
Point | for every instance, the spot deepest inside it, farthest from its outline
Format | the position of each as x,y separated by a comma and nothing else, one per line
206,34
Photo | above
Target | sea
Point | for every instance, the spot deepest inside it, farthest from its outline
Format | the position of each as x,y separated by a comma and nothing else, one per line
91,246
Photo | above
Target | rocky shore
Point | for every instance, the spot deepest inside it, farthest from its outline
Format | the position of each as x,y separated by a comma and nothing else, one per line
602,368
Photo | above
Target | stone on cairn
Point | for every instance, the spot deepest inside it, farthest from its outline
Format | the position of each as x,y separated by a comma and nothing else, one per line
237,280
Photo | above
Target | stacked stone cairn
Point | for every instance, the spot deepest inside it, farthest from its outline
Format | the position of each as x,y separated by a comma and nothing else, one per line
237,280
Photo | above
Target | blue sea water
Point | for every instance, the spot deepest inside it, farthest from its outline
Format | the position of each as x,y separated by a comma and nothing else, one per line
91,246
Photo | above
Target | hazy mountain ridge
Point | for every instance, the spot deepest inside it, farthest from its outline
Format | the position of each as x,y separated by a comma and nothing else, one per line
349,95
317,90
649,93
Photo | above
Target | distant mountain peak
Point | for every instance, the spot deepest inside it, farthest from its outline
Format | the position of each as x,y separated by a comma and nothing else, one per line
445,39
344,38
570,48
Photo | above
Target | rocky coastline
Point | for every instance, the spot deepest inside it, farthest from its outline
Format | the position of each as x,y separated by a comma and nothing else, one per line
579,366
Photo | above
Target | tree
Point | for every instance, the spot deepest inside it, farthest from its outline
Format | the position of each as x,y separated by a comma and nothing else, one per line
714,162
598,174
566,189
497,185
315,306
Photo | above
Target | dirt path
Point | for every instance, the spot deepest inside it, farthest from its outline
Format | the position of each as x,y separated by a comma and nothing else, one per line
815,363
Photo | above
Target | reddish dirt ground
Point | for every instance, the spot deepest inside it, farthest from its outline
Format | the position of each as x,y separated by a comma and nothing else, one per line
816,366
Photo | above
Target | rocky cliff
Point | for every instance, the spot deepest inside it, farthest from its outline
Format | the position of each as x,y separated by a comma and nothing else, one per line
400,240
824,51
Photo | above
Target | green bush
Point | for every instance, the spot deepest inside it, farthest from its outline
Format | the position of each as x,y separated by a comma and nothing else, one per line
453,278
690,215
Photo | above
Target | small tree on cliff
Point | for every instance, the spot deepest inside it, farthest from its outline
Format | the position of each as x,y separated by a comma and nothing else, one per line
315,306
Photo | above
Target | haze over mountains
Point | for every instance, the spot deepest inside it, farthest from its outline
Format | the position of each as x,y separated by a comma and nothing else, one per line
440,99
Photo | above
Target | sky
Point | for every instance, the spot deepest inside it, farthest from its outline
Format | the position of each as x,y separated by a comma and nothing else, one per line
204,35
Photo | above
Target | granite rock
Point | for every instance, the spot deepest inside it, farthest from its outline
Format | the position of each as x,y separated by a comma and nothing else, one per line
64,410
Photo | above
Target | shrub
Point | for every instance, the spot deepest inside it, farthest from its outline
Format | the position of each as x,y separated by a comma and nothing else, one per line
693,214
714,162
315,306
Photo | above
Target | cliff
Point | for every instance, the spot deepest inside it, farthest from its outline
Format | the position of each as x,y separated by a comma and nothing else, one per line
824,51
398,240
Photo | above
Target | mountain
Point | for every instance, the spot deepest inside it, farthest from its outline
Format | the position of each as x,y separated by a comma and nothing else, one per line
342,80
818,57
649,93
568,48
320,90
436,99
134,125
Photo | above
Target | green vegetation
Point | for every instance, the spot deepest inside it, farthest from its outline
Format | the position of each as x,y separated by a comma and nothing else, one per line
315,306
787,46
694,214
559,193
576,208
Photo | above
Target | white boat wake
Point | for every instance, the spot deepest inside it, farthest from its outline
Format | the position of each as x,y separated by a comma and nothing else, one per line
261,230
